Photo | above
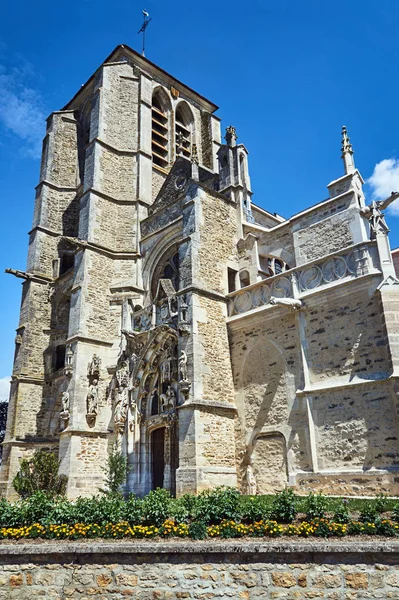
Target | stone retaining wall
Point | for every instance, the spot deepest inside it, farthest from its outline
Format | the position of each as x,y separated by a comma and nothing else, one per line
104,570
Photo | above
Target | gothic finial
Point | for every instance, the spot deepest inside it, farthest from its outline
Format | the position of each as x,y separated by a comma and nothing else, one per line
347,152
231,136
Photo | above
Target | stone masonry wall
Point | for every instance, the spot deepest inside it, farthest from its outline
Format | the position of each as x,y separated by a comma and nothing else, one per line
200,571
267,371
346,336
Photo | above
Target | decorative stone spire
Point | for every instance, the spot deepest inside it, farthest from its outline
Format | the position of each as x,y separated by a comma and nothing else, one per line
347,152
231,136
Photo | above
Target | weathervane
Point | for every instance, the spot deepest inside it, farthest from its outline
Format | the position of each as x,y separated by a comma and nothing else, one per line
144,27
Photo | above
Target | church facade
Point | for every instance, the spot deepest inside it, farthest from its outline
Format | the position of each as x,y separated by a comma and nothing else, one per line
214,342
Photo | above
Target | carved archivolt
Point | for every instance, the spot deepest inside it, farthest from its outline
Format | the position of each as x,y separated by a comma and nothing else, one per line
145,385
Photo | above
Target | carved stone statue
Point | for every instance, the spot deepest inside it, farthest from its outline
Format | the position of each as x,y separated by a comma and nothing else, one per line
251,481
68,367
94,367
293,303
183,366
168,401
122,374
65,406
92,398
120,410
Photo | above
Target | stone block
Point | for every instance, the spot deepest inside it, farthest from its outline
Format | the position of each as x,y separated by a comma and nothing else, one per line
357,580
283,579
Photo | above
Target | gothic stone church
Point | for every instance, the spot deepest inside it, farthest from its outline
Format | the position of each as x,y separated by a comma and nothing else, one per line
215,342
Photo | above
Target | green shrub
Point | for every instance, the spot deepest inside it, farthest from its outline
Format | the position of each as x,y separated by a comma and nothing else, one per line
156,507
395,513
10,514
37,508
40,473
315,506
98,509
341,513
213,506
368,513
197,530
255,508
179,511
133,510
381,503
284,507
189,501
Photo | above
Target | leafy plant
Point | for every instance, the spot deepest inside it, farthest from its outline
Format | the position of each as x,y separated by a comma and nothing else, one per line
381,503
189,501
368,513
133,509
213,506
395,513
315,506
40,473
156,507
284,507
341,513
255,508
197,530
116,470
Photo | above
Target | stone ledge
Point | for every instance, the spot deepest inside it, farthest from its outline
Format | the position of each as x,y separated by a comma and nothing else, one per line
217,547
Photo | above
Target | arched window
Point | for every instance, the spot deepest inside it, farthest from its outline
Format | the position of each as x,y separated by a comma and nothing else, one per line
272,266
167,268
183,130
160,129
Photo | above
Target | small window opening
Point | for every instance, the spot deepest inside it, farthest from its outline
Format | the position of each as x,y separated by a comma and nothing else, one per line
66,263
244,279
59,357
155,404
159,134
231,279
271,266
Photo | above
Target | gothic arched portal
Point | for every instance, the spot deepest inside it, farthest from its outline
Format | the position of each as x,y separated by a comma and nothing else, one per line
148,430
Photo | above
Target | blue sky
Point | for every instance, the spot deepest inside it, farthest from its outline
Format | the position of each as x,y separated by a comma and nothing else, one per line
288,74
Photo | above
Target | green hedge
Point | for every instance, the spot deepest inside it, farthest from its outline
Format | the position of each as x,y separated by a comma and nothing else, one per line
199,513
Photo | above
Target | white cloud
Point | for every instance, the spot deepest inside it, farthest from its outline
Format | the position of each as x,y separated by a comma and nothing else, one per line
384,180
21,110
4,388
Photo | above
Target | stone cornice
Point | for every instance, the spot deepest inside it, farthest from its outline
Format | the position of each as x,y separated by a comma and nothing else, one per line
208,404
221,547
27,379
58,188
92,190
88,340
202,292
115,254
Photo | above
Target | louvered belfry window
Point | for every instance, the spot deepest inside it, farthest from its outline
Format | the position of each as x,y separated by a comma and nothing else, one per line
183,133
159,134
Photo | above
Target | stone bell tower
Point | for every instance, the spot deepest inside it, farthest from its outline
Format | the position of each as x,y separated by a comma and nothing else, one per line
116,332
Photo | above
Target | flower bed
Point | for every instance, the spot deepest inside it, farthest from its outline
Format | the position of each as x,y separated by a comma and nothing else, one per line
226,529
